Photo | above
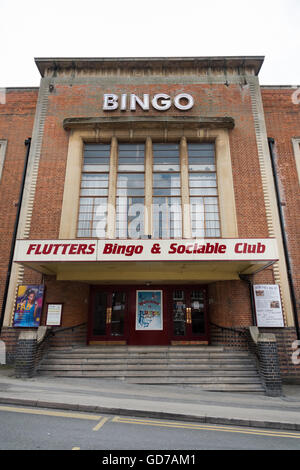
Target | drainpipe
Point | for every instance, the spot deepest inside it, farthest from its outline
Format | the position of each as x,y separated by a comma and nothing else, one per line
14,237
248,278
271,143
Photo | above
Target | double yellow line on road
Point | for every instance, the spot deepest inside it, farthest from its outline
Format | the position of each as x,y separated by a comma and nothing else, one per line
60,414
205,427
151,422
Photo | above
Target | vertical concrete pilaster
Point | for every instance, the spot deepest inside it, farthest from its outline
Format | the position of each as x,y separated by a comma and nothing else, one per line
279,268
29,193
185,196
148,186
112,189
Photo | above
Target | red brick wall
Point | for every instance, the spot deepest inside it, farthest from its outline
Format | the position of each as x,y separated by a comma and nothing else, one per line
215,100
210,100
16,123
283,123
73,295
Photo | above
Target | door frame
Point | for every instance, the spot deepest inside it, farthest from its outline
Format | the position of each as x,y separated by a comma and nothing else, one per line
133,337
189,338
140,338
108,338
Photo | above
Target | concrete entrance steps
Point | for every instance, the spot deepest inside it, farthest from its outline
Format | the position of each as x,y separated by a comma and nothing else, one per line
207,367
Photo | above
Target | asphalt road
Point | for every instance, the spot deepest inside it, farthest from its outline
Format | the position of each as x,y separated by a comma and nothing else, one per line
44,429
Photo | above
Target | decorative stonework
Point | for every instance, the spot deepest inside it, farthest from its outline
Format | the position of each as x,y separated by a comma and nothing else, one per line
29,194
149,66
279,269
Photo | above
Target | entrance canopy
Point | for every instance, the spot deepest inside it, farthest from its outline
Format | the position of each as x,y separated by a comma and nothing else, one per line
135,261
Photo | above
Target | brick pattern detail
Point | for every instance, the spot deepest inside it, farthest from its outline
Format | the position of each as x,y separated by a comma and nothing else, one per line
269,368
72,337
237,338
29,353
233,339
42,349
25,358
285,338
266,354
73,295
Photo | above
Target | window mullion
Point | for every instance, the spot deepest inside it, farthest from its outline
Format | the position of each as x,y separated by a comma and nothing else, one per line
112,189
148,186
185,197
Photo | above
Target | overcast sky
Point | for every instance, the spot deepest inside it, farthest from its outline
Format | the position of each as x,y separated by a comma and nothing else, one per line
136,28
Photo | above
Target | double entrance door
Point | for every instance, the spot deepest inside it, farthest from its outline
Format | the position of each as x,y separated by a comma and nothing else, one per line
153,315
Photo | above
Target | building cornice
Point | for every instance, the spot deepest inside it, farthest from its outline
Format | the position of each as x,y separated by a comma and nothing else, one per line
240,64
190,122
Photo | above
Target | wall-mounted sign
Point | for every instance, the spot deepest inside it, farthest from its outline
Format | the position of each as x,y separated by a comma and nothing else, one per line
159,101
227,249
29,305
54,313
268,305
149,310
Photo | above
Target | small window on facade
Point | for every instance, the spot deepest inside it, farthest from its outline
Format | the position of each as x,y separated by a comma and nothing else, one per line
131,157
130,199
203,191
94,191
166,201
166,157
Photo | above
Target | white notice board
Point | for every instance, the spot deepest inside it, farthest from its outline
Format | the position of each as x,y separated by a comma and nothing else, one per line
268,305
54,312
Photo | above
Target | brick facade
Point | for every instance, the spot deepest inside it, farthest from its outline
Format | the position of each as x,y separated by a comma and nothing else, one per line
282,117
16,123
229,301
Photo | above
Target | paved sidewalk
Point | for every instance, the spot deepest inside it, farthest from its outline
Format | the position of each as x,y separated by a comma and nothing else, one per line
169,402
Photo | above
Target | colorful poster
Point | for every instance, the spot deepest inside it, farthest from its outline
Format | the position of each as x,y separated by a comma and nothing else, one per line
149,311
29,305
268,305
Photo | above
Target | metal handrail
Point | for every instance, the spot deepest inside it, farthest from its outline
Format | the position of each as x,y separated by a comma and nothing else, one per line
241,333
52,332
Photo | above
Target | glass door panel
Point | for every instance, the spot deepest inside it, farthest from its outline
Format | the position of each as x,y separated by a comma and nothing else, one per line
197,306
99,313
188,314
109,315
179,313
118,313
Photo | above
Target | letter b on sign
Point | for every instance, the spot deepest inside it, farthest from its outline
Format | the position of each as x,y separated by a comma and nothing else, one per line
2,353
110,102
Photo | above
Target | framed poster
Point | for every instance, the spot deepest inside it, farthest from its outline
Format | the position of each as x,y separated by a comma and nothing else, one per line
54,314
149,310
268,305
29,305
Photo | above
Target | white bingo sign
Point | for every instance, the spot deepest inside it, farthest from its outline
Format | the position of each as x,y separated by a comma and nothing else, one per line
268,305
159,101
